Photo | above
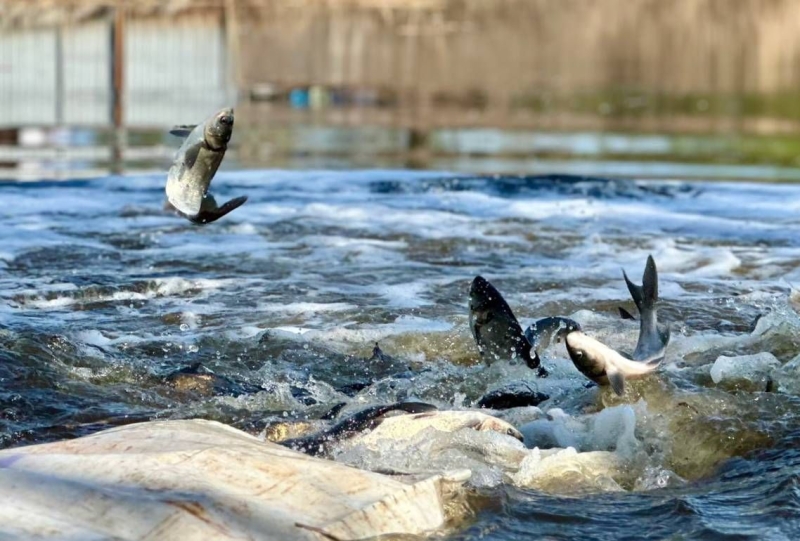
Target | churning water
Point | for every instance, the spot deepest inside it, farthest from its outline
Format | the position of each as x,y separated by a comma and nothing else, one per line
104,296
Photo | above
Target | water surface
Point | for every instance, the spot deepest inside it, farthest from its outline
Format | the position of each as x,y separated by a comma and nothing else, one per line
103,295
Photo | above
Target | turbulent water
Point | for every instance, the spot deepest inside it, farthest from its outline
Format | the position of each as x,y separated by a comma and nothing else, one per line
105,297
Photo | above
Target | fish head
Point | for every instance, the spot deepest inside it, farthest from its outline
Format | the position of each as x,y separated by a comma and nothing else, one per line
483,295
588,354
487,305
219,129
498,425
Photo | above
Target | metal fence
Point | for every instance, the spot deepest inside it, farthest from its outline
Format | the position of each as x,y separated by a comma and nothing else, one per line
169,69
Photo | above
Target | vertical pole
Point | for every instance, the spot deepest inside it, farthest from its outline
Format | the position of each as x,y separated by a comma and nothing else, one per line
233,73
118,87
59,54
61,139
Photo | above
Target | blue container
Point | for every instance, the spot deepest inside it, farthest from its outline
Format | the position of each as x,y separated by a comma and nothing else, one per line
298,98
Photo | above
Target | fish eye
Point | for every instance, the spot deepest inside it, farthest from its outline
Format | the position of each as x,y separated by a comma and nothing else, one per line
226,119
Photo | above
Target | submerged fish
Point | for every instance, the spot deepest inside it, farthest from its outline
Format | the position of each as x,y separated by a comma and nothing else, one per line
495,328
515,395
198,379
195,164
320,443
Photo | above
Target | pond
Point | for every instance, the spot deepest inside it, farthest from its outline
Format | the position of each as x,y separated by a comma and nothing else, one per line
104,296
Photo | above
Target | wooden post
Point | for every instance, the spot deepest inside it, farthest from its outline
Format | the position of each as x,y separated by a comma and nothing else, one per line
59,53
118,87
233,72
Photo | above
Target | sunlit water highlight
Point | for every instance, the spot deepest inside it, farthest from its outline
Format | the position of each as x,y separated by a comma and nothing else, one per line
103,295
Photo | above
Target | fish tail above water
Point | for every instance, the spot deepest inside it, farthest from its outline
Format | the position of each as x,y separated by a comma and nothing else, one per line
210,212
653,338
494,327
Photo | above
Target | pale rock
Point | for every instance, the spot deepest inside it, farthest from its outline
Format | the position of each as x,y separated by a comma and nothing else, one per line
755,369
201,480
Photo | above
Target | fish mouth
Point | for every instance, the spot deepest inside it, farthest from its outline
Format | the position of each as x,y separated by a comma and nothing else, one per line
225,117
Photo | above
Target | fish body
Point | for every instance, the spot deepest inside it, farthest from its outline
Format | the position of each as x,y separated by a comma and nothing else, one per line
320,443
195,165
604,365
496,330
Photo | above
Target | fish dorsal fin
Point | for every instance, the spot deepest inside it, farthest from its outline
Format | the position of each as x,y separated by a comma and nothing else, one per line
182,130
624,314
615,379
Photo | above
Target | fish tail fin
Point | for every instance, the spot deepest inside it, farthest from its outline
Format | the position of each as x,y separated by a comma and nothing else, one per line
652,338
649,284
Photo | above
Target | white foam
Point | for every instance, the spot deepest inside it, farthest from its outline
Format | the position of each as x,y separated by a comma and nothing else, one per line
306,307
612,429
407,295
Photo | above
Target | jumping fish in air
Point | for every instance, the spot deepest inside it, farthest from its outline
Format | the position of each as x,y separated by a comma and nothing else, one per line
495,328
195,164
600,363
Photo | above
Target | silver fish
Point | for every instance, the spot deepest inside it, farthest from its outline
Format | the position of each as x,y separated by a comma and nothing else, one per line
595,360
195,164
603,365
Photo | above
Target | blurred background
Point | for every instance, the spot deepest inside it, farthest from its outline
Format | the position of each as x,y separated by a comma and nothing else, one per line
89,87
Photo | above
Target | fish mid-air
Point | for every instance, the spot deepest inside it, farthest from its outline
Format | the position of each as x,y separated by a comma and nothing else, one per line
195,164
496,330
498,334
600,363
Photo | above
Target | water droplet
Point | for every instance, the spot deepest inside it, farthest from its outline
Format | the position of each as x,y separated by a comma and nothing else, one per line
184,327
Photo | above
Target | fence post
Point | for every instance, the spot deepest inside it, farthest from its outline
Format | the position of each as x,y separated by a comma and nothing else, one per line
59,54
118,87
233,74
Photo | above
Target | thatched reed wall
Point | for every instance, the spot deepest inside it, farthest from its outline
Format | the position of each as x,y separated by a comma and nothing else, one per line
506,46
485,53
672,46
